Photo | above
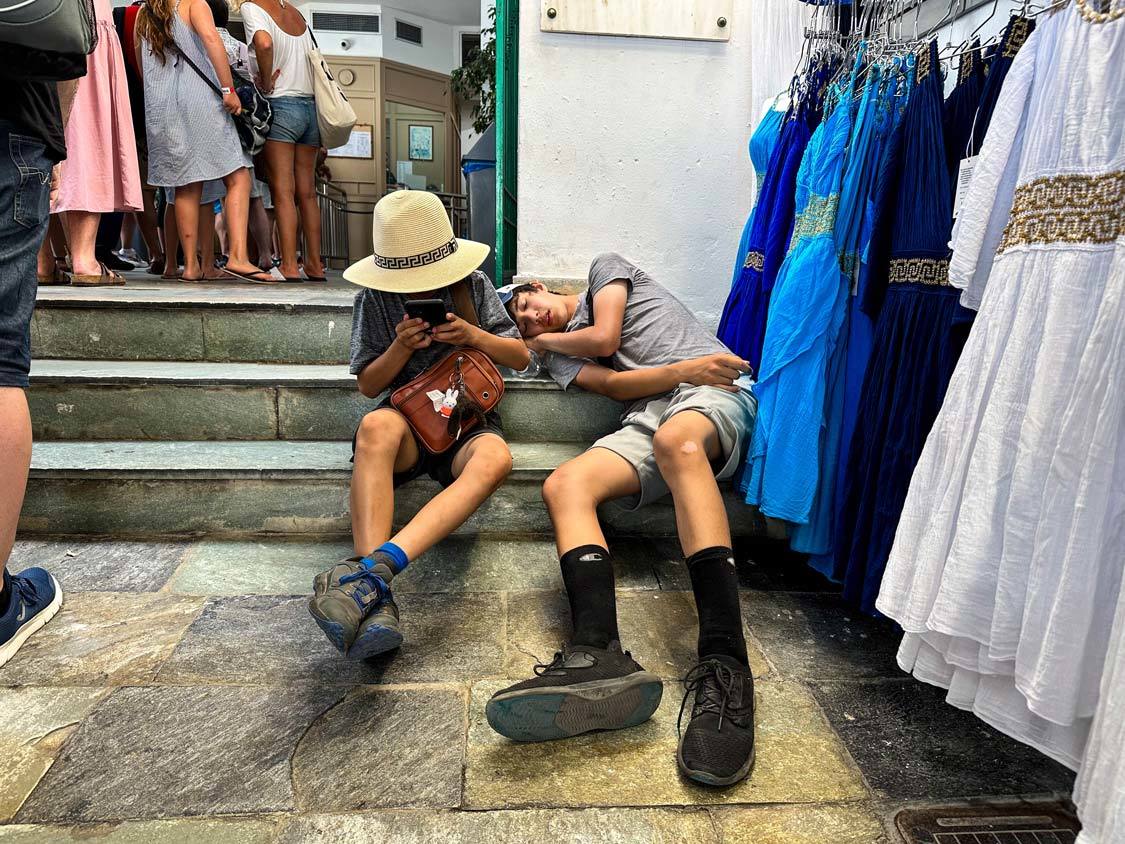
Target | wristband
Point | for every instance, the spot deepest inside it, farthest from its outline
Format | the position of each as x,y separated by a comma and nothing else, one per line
226,91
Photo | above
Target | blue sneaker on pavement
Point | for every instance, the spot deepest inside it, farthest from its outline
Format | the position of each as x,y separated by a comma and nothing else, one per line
34,599
353,605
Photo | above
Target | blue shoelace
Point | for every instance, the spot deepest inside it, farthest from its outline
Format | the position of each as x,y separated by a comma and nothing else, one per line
367,583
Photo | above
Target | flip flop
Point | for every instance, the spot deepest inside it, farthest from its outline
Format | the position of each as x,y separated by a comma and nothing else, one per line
108,278
252,278
319,279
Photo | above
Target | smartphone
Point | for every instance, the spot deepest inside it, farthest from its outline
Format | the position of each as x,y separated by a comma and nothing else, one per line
432,311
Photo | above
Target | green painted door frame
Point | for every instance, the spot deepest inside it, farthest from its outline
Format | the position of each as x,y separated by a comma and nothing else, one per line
507,134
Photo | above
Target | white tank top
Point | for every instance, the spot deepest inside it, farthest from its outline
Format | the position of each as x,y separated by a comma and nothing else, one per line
290,52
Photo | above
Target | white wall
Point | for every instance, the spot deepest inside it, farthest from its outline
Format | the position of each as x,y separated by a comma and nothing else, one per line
638,146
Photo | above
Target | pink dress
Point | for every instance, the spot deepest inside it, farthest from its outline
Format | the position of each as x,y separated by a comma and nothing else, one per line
101,172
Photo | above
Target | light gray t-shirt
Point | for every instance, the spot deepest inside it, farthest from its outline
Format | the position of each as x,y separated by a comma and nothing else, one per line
375,315
657,328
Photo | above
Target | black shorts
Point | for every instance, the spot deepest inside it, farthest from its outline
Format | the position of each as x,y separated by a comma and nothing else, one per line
439,466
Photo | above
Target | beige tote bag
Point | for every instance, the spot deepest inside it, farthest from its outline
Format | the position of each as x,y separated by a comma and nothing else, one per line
334,114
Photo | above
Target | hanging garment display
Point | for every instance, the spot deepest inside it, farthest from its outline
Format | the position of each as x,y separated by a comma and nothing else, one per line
762,144
1006,569
805,314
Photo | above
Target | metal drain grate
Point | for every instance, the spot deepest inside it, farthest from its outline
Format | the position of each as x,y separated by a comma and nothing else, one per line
1050,823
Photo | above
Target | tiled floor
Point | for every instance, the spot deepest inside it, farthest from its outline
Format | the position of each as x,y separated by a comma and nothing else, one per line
184,695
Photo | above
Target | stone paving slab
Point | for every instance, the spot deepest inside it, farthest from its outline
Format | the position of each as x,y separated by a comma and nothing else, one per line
819,637
384,749
799,760
659,628
144,290
195,831
270,640
33,727
103,639
840,824
911,744
84,565
458,564
166,752
588,826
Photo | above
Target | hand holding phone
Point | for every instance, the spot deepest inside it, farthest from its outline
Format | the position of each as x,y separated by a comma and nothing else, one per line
432,311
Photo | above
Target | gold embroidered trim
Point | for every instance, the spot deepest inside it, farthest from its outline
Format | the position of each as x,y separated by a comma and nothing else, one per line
1067,209
923,64
755,261
931,271
968,62
818,217
1018,31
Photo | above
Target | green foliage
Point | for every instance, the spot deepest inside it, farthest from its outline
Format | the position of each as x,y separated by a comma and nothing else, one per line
475,81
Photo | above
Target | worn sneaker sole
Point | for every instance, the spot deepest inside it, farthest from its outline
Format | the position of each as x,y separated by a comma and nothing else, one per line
332,629
554,712
710,779
373,641
32,625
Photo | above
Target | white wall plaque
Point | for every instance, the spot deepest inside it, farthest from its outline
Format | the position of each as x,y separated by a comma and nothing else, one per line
697,20
358,145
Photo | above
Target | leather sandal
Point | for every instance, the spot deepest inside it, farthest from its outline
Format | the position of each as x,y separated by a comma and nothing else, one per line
108,278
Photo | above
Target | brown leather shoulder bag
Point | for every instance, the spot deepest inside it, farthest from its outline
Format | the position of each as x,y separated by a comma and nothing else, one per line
467,373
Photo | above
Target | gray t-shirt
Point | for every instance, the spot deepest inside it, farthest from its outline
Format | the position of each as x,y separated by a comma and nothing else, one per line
375,315
657,328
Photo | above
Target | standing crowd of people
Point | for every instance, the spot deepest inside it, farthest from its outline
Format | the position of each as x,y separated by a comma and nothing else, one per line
153,148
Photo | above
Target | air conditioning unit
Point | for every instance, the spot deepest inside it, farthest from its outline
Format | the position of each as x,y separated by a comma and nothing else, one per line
345,22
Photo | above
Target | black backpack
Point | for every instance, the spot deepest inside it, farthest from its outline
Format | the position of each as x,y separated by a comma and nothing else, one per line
254,121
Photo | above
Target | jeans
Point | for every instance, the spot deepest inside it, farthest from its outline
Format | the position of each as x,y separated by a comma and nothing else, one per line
294,121
25,195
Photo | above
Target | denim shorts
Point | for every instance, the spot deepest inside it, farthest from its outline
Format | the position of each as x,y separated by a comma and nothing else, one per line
294,121
25,195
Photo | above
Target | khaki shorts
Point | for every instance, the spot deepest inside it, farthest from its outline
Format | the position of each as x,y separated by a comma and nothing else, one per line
733,415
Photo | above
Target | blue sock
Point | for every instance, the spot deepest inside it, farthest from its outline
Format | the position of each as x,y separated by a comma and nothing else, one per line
399,560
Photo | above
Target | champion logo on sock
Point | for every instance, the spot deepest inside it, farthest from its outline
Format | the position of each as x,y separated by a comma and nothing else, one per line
591,558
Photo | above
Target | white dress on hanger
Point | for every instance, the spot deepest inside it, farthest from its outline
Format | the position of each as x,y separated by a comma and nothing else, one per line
1007,565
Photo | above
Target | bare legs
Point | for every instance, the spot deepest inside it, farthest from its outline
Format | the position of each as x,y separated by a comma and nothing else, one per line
171,242
305,182
574,491
187,225
261,233
292,172
15,457
384,446
685,445
236,212
82,231
280,157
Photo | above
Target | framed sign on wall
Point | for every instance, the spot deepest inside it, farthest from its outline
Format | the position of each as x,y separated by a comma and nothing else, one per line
359,143
700,20
421,141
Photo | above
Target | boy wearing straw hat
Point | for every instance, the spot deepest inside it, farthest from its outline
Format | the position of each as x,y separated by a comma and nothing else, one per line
686,431
416,257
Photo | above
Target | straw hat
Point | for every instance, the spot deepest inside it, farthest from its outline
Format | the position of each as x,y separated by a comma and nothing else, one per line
415,249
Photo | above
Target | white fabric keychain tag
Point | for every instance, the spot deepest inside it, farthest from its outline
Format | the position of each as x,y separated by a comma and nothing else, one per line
436,396
964,177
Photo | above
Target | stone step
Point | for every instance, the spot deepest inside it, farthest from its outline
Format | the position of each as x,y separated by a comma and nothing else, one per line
152,319
136,489
203,400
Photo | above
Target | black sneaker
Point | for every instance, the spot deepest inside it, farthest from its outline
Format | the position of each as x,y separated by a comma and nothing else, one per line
580,690
717,748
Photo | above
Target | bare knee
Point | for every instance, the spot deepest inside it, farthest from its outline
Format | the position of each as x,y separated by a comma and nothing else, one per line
676,450
566,486
380,434
492,461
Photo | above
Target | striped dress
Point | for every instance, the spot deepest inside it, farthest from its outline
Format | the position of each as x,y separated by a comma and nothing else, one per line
191,138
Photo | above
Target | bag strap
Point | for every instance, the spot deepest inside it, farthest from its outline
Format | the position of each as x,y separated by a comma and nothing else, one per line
195,67
463,302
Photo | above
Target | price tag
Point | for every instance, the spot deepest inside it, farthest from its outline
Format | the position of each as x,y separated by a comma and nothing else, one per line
964,176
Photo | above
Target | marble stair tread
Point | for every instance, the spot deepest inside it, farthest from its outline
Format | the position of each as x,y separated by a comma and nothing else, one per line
56,372
242,459
146,291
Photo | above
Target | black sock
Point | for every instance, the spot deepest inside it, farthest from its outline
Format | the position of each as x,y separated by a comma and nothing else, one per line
714,580
588,574
5,593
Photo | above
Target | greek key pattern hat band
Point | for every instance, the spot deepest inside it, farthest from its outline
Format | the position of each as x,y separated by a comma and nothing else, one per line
410,262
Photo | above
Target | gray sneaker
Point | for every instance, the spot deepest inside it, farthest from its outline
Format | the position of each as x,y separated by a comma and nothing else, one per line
345,595
379,632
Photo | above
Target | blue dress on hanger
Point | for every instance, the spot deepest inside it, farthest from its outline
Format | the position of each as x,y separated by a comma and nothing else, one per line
744,327
913,353
762,144
873,190
803,327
